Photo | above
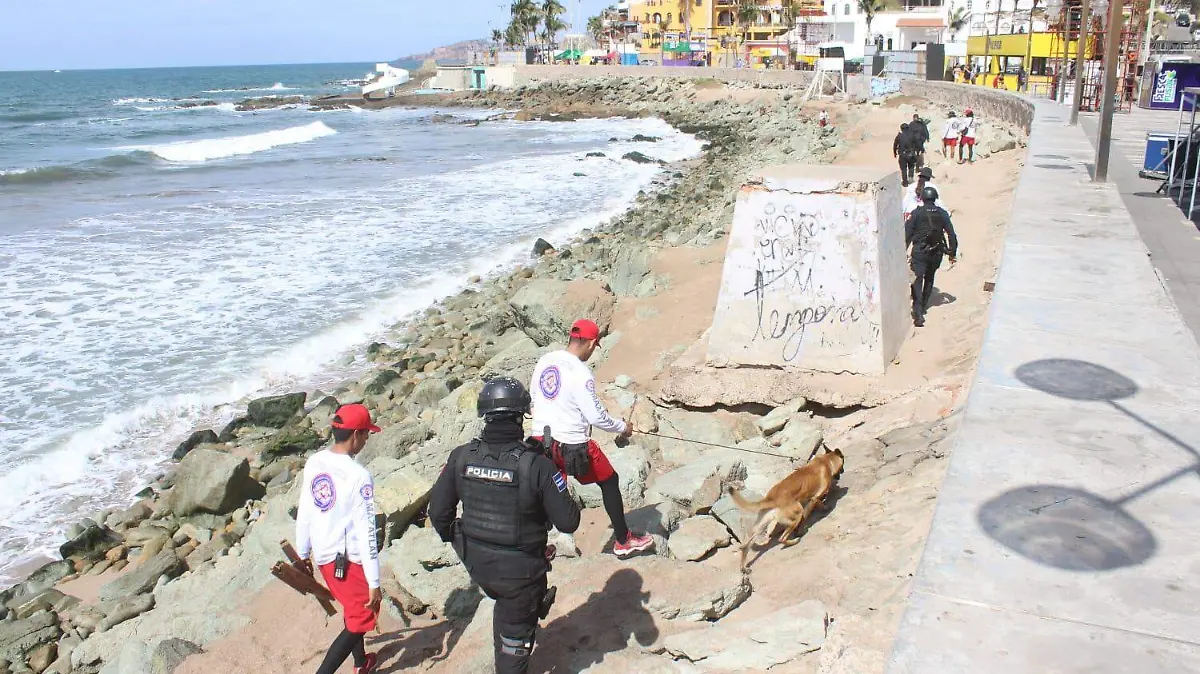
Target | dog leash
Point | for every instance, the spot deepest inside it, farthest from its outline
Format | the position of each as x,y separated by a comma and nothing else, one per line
712,444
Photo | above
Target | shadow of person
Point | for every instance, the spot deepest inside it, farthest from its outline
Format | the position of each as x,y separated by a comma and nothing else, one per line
820,512
602,624
941,298
412,646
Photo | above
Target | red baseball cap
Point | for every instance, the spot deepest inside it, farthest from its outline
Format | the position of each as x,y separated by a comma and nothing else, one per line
353,417
585,329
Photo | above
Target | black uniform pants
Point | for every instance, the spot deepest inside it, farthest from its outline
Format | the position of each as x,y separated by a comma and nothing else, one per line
908,166
924,265
518,584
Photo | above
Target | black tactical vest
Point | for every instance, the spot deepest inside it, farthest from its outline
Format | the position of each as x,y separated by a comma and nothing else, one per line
498,497
929,237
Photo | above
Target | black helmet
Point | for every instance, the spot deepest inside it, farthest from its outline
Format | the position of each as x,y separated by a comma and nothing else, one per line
929,194
502,395
904,127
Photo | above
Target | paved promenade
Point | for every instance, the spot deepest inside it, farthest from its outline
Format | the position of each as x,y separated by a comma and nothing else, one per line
1067,532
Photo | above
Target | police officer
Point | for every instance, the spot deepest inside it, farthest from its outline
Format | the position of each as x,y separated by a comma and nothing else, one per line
905,148
931,235
921,130
510,492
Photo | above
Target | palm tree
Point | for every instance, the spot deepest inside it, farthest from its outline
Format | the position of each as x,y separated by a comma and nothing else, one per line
747,12
957,20
685,17
870,8
551,24
525,16
595,28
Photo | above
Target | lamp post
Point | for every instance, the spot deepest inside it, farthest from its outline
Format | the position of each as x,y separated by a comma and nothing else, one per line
1108,103
1080,60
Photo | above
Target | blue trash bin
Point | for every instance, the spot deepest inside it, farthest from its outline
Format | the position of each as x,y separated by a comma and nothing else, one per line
1157,162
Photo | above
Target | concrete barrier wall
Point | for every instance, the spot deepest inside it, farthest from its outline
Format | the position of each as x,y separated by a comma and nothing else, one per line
987,103
543,73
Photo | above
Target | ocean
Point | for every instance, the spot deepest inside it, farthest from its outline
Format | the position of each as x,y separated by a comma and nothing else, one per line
162,262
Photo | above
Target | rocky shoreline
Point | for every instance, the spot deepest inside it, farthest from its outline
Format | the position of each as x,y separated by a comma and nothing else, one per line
143,588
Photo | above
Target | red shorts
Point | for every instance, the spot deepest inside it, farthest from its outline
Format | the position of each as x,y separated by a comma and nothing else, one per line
949,142
600,471
353,594
968,141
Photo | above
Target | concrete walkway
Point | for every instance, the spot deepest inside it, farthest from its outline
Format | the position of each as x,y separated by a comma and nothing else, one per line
1173,241
1066,536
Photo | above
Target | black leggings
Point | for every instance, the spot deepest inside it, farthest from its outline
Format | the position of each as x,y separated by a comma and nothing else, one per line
610,490
346,643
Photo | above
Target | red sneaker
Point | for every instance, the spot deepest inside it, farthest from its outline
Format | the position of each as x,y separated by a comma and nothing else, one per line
632,543
369,667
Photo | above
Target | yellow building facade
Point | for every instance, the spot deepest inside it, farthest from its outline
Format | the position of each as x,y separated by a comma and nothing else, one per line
997,57
718,35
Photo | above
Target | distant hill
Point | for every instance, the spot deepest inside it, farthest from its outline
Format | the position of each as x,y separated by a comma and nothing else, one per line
457,50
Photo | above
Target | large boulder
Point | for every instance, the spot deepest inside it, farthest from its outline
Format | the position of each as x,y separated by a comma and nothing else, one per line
703,593
44,578
91,543
799,439
204,437
691,486
697,537
18,637
394,441
426,394
143,577
291,440
680,426
631,265
400,495
430,570
213,482
754,645
276,411
517,359
545,309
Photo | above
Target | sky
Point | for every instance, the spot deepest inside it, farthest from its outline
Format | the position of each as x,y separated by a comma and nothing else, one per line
75,34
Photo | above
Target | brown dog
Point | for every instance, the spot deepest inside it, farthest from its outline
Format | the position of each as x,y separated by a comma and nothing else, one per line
792,500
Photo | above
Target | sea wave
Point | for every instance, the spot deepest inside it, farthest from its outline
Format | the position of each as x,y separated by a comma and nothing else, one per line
87,170
221,148
40,116
278,86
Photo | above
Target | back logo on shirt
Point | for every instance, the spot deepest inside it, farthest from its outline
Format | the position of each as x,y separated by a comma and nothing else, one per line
490,474
323,492
550,382
367,492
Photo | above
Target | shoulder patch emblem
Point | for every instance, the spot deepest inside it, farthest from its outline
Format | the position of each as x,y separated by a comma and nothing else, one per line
323,492
501,475
560,482
550,382
367,492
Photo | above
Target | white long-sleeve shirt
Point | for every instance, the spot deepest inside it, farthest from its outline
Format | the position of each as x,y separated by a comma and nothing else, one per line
336,513
912,198
564,398
969,126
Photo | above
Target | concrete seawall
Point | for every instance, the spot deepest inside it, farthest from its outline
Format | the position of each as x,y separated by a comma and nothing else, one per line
987,103
541,73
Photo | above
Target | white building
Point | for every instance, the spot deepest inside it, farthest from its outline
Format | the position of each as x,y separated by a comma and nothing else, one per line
912,24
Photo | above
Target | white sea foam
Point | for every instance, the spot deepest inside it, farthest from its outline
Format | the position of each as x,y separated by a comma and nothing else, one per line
163,318
221,148
278,86
131,101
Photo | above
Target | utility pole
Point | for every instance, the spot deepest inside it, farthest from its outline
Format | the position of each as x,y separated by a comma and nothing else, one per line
1080,58
1108,104
1149,34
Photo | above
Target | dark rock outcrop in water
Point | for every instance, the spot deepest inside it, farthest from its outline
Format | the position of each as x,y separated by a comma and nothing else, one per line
541,247
267,102
639,158
197,104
